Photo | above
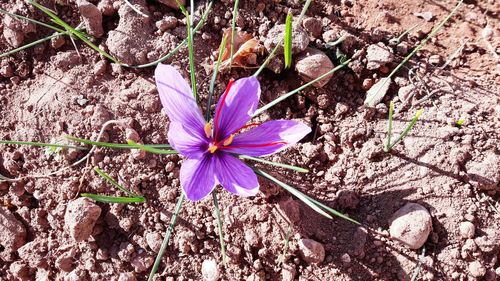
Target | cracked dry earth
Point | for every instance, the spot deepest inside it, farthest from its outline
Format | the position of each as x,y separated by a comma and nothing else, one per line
437,190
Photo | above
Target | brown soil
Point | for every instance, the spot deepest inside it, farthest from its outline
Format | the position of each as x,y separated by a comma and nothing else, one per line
453,172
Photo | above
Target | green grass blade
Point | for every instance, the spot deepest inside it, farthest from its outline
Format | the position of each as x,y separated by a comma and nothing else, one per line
293,92
176,49
273,52
114,145
164,244
32,20
301,196
389,127
233,30
71,30
277,164
219,225
409,56
150,149
222,49
407,129
334,212
419,264
42,144
29,45
460,122
288,41
282,257
113,199
108,178
192,69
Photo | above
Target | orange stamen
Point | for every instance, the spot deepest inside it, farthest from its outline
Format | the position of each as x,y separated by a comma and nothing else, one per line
229,140
208,129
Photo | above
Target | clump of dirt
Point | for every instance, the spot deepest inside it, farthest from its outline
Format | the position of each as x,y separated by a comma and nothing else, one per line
451,171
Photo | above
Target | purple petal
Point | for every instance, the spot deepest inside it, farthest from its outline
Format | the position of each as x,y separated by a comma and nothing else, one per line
187,140
235,176
177,99
268,138
198,177
236,106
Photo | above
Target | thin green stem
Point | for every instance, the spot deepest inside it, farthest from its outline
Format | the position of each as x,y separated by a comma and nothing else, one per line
29,45
32,20
108,178
291,93
419,264
114,199
164,244
281,165
389,127
219,225
211,88
233,30
115,145
42,144
150,149
192,70
406,130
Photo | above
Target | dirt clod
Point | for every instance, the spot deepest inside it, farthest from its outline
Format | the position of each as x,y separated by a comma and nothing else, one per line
477,269
80,218
92,18
467,229
300,39
209,270
411,225
311,251
12,232
378,55
312,64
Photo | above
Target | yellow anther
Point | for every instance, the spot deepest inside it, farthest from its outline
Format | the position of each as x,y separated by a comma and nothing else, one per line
212,148
208,130
229,140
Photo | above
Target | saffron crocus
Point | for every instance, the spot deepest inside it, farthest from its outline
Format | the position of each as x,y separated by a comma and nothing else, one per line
211,148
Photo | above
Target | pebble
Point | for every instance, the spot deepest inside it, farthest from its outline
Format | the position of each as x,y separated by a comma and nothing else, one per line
485,174
127,276
100,116
12,232
154,240
378,55
467,229
167,23
92,18
300,38
314,26
19,270
288,272
66,60
476,269
435,59
100,67
290,209
345,258
312,64
411,225
80,218
311,251
405,93
141,262
57,42
209,270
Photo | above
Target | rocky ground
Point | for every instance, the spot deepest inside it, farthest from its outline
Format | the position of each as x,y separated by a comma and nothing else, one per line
437,190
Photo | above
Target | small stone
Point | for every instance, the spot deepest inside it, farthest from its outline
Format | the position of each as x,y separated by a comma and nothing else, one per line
15,38
7,71
127,276
154,240
476,269
19,270
345,258
173,3
367,84
141,262
405,93
411,225
100,116
311,251
100,67
485,174
347,199
402,48
92,18
300,39
378,55
209,270
66,60
288,272
435,60
427,16
312,64
167,23
107,8
80,218
57,42
290,209
330,36
314,26
12,232
467,229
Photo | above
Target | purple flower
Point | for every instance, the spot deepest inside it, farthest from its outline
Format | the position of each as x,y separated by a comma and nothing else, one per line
210,147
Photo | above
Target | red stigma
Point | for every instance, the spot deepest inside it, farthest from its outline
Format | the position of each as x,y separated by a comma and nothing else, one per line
223,101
